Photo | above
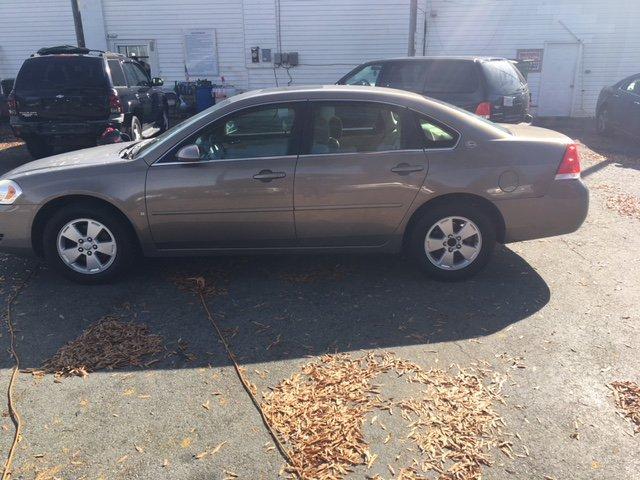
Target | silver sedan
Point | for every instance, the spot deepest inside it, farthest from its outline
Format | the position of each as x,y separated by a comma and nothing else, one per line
307,169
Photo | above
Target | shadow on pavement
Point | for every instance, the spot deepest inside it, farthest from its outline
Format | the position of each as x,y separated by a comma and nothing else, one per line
283,307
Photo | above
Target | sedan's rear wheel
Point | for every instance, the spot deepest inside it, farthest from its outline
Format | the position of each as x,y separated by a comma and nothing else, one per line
88,245
453,242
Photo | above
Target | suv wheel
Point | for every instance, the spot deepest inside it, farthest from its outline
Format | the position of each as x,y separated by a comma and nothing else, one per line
38,147
135,129
163,123
453,242
88,244
603,125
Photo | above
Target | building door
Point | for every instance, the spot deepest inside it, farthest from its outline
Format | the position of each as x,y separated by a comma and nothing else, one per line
557,84
142,50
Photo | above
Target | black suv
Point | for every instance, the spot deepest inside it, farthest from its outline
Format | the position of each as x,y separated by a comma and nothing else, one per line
70,96
490,87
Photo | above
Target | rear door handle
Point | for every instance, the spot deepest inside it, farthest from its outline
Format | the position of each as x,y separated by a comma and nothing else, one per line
405,169
268,175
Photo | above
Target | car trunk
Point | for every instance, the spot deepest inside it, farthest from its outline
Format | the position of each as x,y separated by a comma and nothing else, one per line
62,88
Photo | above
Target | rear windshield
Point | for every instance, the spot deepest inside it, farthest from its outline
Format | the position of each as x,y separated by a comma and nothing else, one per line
502,77
61,72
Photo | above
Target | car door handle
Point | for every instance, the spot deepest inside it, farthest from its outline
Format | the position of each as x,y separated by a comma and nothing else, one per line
637,102
405,169
268,175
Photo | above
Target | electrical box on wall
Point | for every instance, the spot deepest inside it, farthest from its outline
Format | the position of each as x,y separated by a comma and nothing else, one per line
255,54
288,59
266,55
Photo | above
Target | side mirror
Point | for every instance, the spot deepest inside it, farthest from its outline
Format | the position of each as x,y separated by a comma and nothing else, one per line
157,82
190,153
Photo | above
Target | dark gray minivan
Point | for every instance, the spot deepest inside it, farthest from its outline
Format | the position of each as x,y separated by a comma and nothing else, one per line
487,86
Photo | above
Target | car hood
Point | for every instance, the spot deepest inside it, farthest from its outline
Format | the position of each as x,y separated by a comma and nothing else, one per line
105,154
522,130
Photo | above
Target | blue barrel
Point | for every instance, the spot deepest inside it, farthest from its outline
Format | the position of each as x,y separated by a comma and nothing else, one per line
204,99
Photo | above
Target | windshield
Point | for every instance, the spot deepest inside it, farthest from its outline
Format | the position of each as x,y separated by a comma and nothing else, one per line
173,135
62,72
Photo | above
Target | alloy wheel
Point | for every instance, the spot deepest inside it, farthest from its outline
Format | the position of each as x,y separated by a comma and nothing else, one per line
86,246
453,243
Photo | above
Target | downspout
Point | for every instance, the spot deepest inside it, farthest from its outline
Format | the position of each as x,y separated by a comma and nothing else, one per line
413,20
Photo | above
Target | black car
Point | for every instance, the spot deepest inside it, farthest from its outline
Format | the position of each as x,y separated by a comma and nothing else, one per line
490,87
70,96
618,107
6,86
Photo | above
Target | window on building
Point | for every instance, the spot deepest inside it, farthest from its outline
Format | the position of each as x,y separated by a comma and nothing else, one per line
351,127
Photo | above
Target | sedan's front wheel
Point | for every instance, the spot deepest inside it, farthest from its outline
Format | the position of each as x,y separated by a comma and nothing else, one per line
453,242
88,245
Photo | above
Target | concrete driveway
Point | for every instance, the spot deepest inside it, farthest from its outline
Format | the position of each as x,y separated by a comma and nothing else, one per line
557,317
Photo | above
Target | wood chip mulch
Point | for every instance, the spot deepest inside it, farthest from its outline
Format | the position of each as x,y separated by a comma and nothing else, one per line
107,344
627,398
320,413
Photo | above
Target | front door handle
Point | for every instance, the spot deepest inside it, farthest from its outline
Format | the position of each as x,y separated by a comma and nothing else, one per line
268,175
405,169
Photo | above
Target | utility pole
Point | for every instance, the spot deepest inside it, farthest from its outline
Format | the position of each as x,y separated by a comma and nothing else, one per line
77,20
413,19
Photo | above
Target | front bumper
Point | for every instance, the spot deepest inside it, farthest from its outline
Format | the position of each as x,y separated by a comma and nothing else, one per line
562,210
15,228
57,130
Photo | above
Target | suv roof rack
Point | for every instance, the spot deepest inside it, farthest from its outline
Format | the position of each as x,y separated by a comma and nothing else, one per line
66,50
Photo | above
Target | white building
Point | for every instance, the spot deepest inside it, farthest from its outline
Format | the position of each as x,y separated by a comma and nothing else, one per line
581,45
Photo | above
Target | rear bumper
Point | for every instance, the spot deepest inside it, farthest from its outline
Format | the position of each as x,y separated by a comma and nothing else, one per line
57,129
562,210
15,228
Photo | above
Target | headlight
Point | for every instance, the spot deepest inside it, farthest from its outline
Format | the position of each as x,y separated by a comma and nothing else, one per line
9,192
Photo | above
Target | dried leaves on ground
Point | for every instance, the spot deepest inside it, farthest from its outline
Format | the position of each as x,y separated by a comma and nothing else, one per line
209,284
623,203
108,344
320,413
627,396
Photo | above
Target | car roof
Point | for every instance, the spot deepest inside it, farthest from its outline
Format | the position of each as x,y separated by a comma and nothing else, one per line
468,58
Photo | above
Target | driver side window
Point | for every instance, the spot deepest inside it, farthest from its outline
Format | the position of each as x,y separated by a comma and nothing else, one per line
367,76
257,132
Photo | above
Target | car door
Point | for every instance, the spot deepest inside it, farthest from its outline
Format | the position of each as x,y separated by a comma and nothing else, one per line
620,104
359,173
139,84
239,194
629,110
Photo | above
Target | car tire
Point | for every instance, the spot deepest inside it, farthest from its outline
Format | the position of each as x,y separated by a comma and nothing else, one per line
441,253
163,121
38,147
603,126
135,129
110,251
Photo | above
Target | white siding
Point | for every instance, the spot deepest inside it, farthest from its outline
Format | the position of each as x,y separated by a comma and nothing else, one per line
609,33
165,20
27,25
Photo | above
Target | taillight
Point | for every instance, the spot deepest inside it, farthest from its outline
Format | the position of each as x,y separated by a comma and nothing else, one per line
570,166
484,110
114,102
13,104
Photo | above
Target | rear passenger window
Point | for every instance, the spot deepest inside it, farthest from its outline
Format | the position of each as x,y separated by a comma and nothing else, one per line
366,76
117,75
437,135
405,76
450,76
352,127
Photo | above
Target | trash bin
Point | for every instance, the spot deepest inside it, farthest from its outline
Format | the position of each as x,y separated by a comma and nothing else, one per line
204,99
